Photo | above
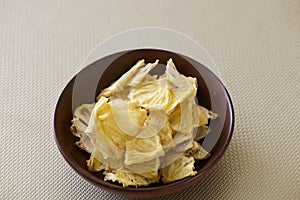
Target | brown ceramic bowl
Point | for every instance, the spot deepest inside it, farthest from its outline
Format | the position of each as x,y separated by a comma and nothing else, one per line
84,87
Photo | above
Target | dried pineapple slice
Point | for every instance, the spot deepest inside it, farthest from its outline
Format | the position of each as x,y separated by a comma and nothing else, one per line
181,168
197,151
140,150
126,178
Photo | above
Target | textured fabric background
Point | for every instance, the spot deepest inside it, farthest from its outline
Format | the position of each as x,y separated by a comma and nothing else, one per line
255,44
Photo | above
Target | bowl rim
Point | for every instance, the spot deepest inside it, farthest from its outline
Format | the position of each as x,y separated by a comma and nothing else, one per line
191,179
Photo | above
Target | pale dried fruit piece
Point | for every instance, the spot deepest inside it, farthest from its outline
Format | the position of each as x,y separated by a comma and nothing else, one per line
147,169
106,162
153,93
181,118
201,132
175,118
128,116
126,178
141,73
85,143
166,136
148,77
140,150
119,85
183,142
105,150
183,88
197,151
95,165
201,154
83,112
152,177
205,115
154,123
181,168
106,125
77,127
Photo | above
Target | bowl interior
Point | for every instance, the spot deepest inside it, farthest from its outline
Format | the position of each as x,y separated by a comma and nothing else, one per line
87,84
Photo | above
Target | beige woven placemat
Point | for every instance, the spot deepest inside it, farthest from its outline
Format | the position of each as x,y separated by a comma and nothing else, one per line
256,45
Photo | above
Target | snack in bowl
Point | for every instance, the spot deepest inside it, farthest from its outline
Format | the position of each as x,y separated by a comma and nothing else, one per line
87,84
144,128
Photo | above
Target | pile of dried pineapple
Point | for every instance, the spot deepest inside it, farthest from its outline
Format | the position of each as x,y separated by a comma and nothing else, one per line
144,128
